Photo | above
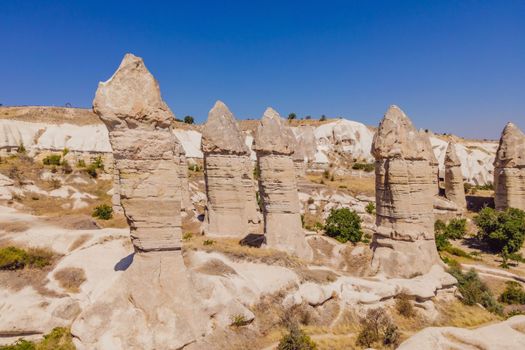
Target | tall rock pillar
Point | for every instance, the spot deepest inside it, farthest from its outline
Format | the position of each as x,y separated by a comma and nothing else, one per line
509,169
404,243
274,145
454,188
229,188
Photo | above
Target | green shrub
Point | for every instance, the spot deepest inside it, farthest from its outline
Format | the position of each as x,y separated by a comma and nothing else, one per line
13,258
296,339
442,242
503,231
103,212
188,119
344,225
187,236
81,163
21,149
513,293
52,159
208,242
367,167
58,339
98,163
65,151
473,290
455,229
370,208
20,344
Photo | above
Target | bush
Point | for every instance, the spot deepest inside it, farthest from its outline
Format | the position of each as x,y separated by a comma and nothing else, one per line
513,293
296,339
58,339
52,159
323,118
503,231
368,167
377,327
98,163
344,225
455,229
13,258
370,208
292,116
473,290
188,119
21,149
103,212
403,306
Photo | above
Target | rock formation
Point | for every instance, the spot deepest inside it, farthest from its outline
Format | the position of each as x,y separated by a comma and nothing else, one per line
305,148
454,189
156,290
229,188
434,163
509,169
404,241
274,145
184,184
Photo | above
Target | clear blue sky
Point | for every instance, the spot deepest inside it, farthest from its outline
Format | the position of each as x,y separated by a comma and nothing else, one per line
453,66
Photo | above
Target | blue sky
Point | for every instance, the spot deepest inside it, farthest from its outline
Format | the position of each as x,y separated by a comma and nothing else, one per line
453,66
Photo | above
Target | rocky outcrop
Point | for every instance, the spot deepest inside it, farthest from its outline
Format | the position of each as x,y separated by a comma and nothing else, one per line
404,241
186,203
274,145
509,169
156,291
434,163
505,335
146,154
231,194
454,188
305,149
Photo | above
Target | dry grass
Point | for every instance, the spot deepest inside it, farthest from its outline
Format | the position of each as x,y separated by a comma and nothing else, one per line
79,242
215,267
50,114
316,275
70,278
352,184
457,314
14,226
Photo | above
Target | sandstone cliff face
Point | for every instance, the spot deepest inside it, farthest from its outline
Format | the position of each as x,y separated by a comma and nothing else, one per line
404,241
186,203
454,189
274,145
509,169
231,209
146,154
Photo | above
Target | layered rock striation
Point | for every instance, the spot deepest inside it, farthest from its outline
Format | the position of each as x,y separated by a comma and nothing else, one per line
404,243
509,169
454,187
274,145
231,207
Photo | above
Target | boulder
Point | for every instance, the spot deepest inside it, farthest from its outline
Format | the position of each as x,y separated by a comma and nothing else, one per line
509,169
403,243
274,145
454,188
231,206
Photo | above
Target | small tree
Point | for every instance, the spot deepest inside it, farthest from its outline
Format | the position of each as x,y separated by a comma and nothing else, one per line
323,118
296,339
344,225
292,116
103,212
188,119
503,231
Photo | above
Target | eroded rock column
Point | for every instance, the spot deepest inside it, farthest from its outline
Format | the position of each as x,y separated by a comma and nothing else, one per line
404,241
454,188
229,189
274,145
509,169
184,183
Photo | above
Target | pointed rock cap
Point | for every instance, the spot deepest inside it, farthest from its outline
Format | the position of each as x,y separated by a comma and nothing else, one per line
511,150
131,98
397,137
451,156
273,135
221,134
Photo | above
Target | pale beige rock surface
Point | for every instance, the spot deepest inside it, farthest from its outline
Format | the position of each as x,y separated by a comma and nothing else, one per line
505,335
146,154
404,243
274,144
509,169
230,208
454,187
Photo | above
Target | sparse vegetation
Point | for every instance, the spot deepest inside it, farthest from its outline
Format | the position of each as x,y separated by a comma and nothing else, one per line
370,208
503,231
188,119
52,159
344,225
455,229
13,258
513,293
103,212
81,163
368,167
404,307
70,278
58,339
239,320
208,242
377,327
292,116
323,118
187,236
296,339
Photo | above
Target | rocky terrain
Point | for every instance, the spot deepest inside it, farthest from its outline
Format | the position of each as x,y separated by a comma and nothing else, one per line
136,231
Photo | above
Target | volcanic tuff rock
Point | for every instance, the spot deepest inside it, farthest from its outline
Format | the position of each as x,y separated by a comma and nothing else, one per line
454,188
274,144
404,241
231,208
434,163
509,169
186,203
146,154
305,148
